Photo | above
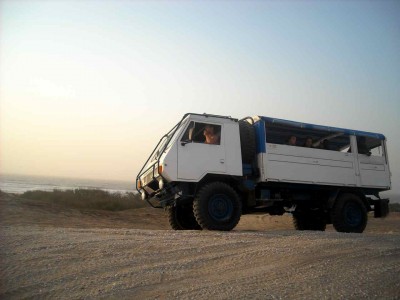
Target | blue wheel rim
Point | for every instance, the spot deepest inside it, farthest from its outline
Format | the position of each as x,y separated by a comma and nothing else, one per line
352,214
220,207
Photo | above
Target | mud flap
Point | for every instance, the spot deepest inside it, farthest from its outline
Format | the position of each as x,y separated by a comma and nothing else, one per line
381,208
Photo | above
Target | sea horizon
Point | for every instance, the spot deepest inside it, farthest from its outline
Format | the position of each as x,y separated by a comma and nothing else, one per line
20,183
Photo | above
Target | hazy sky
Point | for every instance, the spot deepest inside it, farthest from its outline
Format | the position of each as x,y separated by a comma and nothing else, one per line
88,87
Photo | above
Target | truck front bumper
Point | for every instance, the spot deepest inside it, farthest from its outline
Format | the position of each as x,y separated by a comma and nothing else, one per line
152,186
150,181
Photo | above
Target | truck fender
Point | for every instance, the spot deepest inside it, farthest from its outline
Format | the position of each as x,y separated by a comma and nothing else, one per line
332,197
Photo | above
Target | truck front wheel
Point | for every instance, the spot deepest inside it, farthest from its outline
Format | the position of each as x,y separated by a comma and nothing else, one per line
217,207
349,214
180,217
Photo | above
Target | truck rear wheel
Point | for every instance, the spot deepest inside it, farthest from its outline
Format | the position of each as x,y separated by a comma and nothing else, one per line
309,221
217,207
247,141
349,214
180,217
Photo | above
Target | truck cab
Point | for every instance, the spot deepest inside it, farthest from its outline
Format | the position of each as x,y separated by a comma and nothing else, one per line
208,170
184,155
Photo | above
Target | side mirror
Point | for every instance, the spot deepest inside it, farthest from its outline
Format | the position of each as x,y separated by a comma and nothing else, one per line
183,143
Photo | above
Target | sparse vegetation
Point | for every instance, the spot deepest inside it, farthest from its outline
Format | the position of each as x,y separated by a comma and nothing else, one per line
102,200
394,207
88,199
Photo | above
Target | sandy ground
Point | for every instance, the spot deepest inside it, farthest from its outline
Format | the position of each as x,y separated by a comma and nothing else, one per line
53,252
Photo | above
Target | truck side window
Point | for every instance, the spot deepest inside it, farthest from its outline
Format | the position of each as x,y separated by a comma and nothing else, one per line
377,151
203,133
187,136
362,145
338,142
369,146
307,137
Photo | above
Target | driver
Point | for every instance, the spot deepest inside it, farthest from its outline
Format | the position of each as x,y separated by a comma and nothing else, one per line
210,135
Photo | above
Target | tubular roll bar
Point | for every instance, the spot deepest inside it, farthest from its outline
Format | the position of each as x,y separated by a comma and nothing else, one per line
173,130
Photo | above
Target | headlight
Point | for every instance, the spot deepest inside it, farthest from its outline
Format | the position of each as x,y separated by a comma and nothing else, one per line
143,195
160,183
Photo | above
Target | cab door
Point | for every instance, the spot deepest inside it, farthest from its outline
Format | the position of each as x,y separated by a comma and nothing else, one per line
198,155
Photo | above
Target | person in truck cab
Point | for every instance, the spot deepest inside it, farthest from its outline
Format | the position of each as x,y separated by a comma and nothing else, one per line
211,136
308,143
326,145
292,140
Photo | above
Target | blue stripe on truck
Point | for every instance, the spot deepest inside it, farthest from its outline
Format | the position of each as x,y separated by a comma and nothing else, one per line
260,136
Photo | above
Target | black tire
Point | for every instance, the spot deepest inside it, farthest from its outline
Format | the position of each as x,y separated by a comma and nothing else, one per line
217,207
349,214
247,141
309,221
180,217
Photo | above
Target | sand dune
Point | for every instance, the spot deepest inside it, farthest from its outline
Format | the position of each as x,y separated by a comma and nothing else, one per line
50,251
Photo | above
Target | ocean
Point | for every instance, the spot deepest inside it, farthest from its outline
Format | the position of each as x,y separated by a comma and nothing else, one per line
23,183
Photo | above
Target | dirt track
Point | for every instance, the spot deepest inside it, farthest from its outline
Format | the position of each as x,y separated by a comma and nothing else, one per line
56,253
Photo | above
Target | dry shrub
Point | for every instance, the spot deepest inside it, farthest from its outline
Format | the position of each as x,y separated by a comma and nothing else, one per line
394,207
88,199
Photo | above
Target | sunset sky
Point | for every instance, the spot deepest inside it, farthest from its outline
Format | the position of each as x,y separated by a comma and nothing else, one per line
88,87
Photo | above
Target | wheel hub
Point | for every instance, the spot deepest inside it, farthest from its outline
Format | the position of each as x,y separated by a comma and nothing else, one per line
352,214
220,207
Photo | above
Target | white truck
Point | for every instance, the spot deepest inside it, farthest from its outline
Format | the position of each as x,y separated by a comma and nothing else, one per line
208,170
